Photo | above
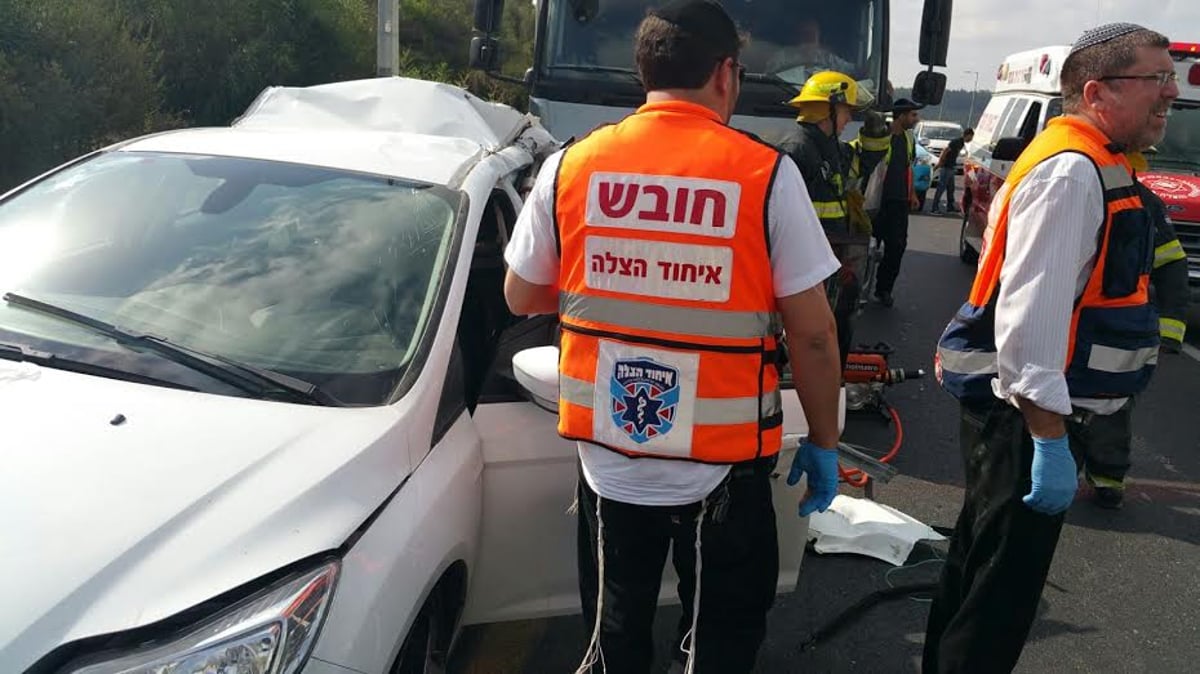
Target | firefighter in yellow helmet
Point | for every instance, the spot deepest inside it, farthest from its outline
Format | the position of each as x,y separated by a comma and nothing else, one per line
829,167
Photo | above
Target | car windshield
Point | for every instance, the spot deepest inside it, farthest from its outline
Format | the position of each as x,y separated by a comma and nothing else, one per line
941,132
790,39
324,275
1180,147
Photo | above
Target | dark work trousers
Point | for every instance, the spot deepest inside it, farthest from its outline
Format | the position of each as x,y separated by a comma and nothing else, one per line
1107,442
843,290
891,230
1000,554
739,569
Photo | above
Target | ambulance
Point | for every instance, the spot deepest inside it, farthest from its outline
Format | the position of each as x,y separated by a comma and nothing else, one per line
1027,94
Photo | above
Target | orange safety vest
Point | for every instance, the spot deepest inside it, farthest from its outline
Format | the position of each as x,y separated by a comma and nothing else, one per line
667,300
1112,345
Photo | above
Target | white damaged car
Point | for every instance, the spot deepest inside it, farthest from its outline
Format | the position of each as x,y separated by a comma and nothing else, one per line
258,404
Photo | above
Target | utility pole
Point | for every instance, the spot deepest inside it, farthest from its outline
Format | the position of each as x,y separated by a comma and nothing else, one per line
387,51
971,117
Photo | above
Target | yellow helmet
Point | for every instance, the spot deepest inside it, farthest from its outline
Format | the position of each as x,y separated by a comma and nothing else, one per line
832,87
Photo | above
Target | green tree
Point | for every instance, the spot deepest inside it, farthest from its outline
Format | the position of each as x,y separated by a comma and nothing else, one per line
72,78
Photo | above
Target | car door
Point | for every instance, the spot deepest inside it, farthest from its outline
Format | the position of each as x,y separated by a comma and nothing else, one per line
527,565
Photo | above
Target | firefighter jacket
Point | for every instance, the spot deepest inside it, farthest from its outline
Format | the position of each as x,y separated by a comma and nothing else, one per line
1169,278
1113,342
824,163
667,306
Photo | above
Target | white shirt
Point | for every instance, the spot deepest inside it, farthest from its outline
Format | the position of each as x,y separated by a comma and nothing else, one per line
800,259
1054,221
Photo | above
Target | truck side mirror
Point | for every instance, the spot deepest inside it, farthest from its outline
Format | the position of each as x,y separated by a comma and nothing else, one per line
929,87
487,16
485,53
935,32
1008,149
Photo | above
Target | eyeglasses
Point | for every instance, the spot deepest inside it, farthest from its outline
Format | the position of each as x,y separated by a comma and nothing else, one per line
1162,78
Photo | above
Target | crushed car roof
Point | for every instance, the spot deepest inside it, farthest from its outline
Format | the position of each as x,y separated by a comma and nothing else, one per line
427,131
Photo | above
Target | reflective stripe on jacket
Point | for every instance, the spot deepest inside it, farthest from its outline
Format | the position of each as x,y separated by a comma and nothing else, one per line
667,297
1169,276
1113,341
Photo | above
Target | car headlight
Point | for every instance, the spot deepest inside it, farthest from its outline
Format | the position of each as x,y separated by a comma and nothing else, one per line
272,632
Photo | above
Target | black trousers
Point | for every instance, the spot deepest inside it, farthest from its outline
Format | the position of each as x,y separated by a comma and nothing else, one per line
1107,442
1000,554
890,229
739,569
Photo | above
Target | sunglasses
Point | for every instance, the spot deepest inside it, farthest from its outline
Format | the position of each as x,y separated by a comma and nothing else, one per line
1162,78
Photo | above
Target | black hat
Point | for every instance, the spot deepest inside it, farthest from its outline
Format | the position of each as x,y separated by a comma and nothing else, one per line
705,19
1102,34
905,105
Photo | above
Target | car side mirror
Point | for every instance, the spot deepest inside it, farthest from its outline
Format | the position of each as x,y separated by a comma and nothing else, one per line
536,371
1008,149
935,34
924,142
929,87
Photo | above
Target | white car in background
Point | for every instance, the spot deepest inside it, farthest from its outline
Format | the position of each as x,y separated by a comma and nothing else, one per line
935,135
259,409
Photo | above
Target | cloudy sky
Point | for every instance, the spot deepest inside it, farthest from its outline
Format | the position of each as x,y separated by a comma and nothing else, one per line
985,31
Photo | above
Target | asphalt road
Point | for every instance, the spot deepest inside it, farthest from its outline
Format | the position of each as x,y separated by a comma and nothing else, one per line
1124,591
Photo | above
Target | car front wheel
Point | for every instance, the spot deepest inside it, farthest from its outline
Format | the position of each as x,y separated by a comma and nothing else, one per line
421,652
965,252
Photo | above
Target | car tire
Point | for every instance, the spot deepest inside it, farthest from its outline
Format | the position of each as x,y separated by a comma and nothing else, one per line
921,201
422,650
966,253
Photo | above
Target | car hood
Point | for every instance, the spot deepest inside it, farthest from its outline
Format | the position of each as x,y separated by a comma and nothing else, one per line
122,504
1180,192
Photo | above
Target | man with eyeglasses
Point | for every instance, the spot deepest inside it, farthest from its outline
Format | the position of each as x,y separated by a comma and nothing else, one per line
671,246
1058,334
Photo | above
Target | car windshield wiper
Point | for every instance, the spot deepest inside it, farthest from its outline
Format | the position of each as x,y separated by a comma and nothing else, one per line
1174,161
254,380
25,354
599,69
771,78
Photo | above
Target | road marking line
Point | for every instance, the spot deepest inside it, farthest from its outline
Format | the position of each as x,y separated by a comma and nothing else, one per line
1192,351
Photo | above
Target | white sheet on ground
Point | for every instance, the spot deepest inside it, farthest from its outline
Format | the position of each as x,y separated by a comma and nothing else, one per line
863,527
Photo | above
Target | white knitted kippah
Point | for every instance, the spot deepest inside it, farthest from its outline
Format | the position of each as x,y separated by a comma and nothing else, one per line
1102,34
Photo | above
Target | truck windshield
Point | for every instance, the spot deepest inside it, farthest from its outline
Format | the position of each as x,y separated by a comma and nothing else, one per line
787,39
1180,147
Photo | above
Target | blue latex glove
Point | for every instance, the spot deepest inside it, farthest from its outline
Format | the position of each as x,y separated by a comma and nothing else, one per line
1055,477
821,465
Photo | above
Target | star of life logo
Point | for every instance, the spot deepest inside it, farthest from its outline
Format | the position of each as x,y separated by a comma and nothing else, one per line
645,397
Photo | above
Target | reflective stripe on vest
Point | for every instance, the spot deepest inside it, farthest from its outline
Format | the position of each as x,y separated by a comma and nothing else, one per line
708,410
643,316
1113,343
666,299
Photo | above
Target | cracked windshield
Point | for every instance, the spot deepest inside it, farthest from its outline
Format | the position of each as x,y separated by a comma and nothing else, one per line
323,275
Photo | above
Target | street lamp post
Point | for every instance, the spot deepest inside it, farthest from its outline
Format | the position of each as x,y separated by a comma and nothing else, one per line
971,117
387,51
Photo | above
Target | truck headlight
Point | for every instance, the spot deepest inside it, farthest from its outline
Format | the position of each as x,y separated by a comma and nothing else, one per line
272,632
